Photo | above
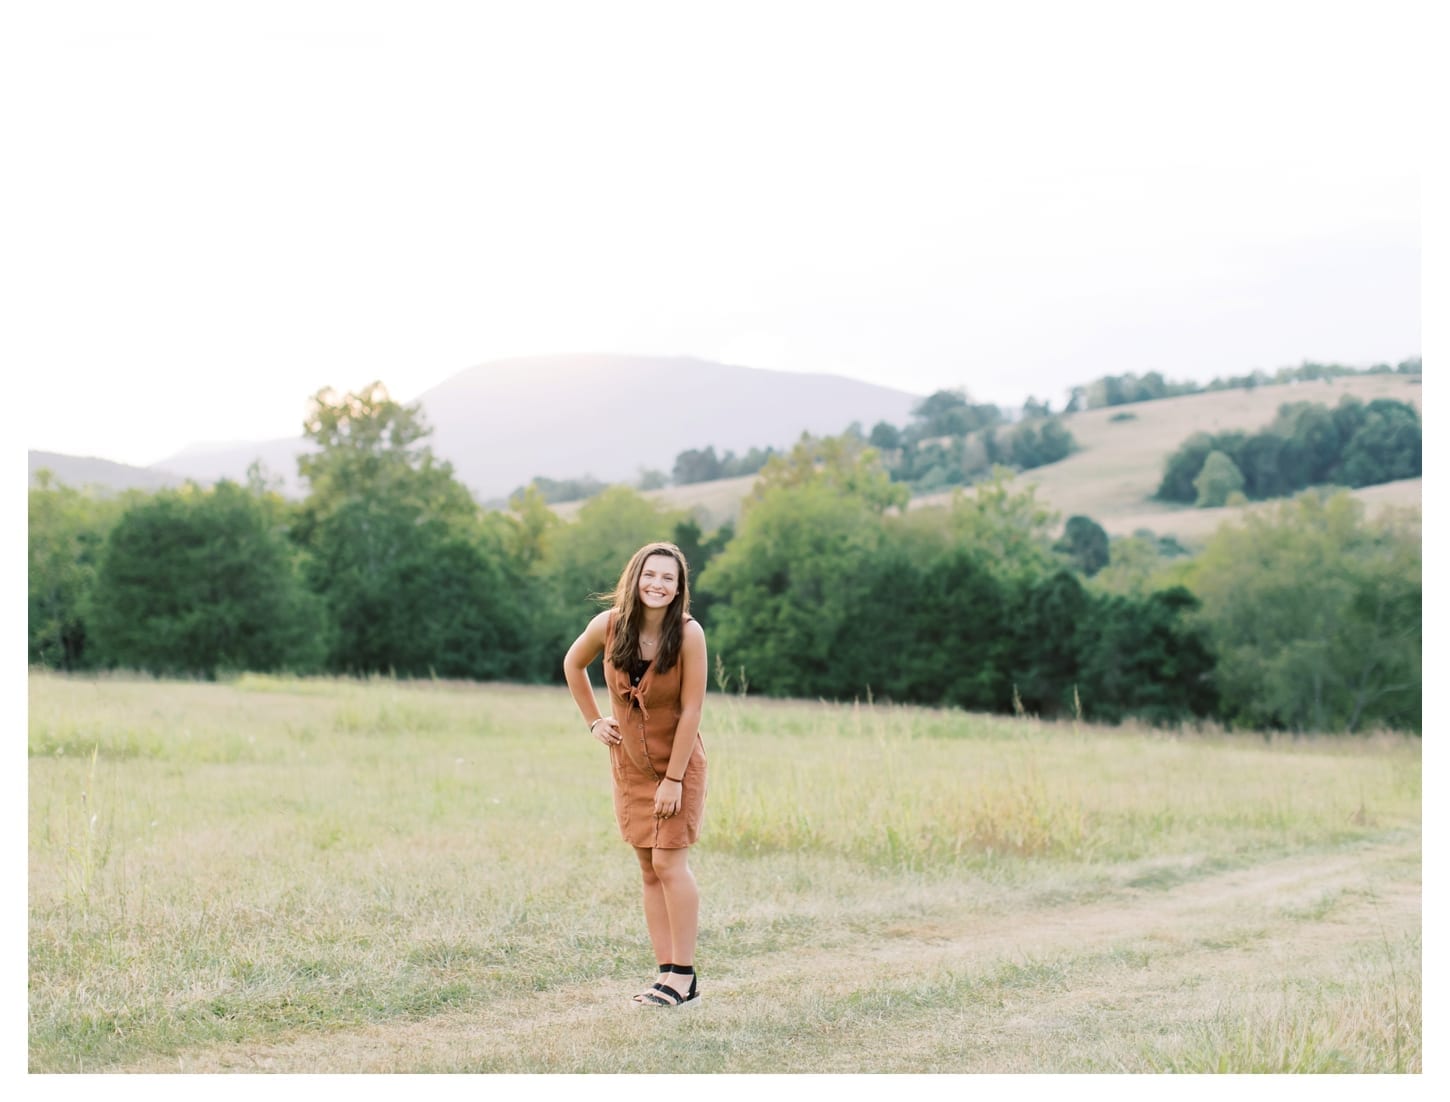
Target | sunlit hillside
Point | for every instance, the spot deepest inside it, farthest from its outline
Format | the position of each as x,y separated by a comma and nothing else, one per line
712,503
1113,476
1112,479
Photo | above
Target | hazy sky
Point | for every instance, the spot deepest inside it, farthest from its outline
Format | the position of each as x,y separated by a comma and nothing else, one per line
214,215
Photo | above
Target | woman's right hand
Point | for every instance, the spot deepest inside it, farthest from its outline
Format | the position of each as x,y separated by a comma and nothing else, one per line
607,731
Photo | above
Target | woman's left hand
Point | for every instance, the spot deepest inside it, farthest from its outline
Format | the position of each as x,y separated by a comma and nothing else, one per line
667,798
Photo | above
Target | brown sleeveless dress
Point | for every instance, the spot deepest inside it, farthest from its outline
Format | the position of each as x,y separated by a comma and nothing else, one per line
647,714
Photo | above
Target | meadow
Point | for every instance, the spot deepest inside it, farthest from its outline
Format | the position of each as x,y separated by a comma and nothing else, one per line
274,874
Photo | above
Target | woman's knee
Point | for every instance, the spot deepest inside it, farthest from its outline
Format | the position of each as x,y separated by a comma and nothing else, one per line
646,866
670,864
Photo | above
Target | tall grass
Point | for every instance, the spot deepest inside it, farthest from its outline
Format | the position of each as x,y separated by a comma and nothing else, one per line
216,863
907,787
1352,1023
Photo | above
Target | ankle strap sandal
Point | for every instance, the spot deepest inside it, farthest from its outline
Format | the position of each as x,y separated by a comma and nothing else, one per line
666,996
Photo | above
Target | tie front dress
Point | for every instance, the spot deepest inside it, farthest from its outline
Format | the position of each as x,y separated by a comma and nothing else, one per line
646,705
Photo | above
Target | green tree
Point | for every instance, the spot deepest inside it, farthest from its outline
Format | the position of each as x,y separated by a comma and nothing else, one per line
414,579
195,582
66,534
1312,443
1071,648
1152,386
1055,442
930,622
1048,618
570,489
1007,526
1085,543
1033,409
1022,445
1315,615
1385,447
1219,478
884,436
699,550
1261,463
1349,416
533,521
944,413
1035,443
951,413
843,464
1106,391
1182,467
696,466
786,587
746,464
1145,656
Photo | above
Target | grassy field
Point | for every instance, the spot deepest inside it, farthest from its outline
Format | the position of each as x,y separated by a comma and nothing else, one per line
1113,477
289,875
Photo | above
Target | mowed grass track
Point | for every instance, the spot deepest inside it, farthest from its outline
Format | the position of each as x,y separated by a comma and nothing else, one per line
317,875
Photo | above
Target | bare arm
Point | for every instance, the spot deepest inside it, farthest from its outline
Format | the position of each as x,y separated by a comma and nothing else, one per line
694,667
583,651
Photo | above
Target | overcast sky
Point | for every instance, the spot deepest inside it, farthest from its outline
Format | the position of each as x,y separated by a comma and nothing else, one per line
213,215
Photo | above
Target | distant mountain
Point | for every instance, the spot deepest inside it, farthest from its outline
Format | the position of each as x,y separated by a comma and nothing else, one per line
209,463
82,471
502,423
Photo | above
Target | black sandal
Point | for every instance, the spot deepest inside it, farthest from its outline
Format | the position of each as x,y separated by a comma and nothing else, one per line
668,997
664,971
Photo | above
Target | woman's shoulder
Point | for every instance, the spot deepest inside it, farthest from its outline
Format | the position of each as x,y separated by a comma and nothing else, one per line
692,629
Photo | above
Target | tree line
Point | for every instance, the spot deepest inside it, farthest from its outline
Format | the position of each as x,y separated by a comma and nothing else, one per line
691,466
1306,620
1125,389
952,441
1307,444
949,441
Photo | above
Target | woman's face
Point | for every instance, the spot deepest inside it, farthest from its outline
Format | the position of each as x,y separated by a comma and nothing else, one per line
659,581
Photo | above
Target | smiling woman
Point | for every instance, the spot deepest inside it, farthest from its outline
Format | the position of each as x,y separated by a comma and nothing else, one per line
655,668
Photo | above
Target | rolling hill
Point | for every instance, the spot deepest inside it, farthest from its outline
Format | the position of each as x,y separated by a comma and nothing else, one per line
1114,475
503,423
81,471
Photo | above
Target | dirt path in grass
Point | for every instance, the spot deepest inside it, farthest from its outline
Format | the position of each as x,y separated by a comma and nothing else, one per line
1069,988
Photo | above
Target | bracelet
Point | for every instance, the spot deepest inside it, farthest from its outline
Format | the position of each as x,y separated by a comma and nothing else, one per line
595,723
680,780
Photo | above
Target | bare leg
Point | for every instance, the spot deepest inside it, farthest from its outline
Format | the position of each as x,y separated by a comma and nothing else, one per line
682,906
656,912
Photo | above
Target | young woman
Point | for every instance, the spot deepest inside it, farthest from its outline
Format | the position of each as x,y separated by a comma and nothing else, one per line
655,670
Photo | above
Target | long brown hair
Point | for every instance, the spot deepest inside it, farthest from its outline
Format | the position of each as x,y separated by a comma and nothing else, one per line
629,611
